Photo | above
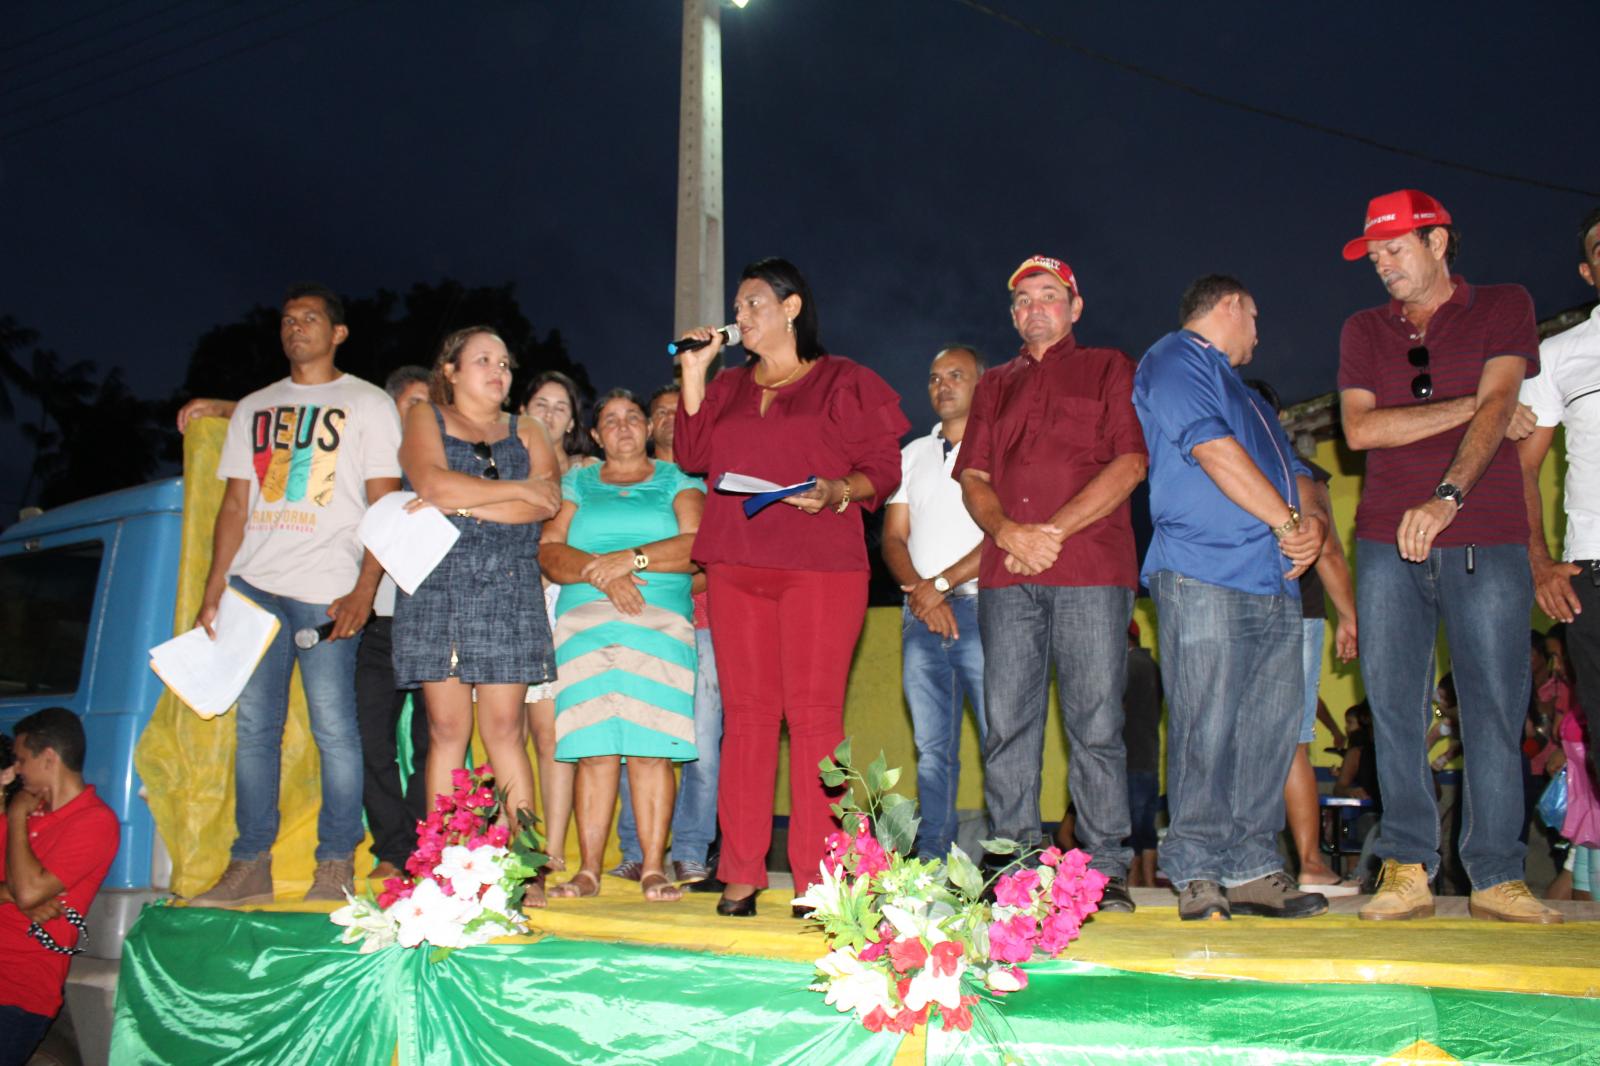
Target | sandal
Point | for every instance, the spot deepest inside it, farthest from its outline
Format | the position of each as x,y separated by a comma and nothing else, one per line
571,888
533,893
658,889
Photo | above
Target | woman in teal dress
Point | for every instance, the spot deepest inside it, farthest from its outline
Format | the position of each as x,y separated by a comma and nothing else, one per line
625,648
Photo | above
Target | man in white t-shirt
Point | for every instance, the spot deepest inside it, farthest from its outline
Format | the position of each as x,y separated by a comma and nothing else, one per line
303,458
931,545
1567,391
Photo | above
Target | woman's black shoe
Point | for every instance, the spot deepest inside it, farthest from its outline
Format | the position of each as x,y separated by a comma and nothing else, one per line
801,912
738,908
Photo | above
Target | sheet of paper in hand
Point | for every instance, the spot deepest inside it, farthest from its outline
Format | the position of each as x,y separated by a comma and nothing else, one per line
209,674
409,544
761,492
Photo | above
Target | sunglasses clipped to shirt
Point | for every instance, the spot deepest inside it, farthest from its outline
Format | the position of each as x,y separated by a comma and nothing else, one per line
486,454
1422,384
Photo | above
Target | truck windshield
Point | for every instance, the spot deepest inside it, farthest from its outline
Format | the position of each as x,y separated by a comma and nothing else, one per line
46,601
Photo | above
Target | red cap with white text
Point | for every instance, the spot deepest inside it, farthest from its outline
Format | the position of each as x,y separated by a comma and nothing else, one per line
1394,215
1043,264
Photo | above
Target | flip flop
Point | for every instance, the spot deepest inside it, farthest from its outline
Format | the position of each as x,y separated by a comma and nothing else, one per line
572,889
1346,887
658,889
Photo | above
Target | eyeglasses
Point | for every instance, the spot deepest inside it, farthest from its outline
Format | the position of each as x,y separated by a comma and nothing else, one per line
484,453
1422,384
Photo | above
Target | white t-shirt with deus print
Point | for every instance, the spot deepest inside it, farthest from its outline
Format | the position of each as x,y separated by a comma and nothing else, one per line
308,451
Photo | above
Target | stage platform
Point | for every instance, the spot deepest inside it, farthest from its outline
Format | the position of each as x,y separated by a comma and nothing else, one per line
618,980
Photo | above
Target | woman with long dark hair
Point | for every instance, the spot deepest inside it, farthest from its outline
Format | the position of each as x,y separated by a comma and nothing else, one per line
788,587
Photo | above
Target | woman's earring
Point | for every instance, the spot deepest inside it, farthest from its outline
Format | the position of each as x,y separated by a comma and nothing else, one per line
791,325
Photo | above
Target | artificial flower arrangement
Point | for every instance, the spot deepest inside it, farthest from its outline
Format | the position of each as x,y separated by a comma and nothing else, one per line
914,939
464,882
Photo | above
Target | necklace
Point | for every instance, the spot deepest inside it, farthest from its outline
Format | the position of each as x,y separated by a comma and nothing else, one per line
799,369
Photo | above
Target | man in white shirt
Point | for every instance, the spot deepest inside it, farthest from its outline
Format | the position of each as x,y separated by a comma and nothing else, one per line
302,459
1567,391
931,545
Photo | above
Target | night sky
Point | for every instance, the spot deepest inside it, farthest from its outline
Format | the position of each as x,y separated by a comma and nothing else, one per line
906,154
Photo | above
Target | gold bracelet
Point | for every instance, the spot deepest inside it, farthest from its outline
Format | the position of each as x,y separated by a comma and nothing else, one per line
1290,526
462,512
845,502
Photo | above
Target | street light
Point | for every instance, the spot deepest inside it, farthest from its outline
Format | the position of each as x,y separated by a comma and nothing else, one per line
698,282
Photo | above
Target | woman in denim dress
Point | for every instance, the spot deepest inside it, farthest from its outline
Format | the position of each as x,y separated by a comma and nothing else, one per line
478,620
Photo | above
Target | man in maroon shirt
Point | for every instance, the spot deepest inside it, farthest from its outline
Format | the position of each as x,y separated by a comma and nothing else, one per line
1052,451
1428,385
57,841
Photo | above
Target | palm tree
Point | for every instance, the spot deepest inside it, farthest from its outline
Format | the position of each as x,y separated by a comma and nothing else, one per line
14,337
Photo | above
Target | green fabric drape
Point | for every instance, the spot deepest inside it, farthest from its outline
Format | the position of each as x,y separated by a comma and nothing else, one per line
201,986
215,987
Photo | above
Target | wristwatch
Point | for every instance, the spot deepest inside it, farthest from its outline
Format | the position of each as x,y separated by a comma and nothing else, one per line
1451,492
1290,526
941,585
640,560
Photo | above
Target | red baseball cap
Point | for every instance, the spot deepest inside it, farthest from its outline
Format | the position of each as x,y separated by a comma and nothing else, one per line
1396,214
1043,264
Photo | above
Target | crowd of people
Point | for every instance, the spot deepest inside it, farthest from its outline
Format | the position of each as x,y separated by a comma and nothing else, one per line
652,639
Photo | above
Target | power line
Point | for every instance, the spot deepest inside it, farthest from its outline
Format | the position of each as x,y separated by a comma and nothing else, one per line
1281,116
42,34
147,60
44,55
12,134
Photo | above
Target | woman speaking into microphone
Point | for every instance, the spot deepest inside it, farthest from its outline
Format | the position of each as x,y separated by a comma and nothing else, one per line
787,587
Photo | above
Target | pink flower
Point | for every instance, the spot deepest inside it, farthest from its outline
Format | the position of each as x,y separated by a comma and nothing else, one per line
907,1020
1016,889
484,772
463,822
1050,856
908,955
870,858
872,952
835,846
460,778
946,958
479,799
499,836
876,1020
442,802
960,1018
1059,930
1011,940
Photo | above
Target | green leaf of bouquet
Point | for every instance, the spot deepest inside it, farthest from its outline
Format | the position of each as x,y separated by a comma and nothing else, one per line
875,774
826,764
892,800
439,954
891,778
841,754
1000,846
832,778
897,827
964,873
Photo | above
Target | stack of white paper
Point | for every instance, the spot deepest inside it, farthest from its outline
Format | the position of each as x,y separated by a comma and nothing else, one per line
408,544
760,491
209,674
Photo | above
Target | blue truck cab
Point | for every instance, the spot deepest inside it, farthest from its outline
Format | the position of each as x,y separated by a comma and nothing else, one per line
86,590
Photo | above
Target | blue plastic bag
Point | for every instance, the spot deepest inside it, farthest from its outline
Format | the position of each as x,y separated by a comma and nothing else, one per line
1552,804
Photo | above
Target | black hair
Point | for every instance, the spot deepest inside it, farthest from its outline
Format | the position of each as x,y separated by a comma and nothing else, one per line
440,390
1448,684
786,280
1590,221
405,376
330,299
1205,293
6,759
575,442
1452,246
671,388
977,356
59,730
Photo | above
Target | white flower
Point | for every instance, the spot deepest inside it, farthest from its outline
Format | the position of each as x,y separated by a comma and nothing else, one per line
428,914
469,869
363,921
944,990
496,899
853,985
1002,978
919,918
830,895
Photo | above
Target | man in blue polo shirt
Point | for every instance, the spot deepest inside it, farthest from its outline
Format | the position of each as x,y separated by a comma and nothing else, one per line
1230,540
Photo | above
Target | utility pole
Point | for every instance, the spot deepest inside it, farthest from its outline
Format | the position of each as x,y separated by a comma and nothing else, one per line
698,297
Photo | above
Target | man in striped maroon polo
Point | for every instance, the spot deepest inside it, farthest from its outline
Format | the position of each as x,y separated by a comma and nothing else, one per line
1428,384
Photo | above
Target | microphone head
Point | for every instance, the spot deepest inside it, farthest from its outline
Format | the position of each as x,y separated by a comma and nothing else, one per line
307,638
731,332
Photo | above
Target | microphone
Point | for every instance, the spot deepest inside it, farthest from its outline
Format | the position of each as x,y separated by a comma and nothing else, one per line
309,637
730,335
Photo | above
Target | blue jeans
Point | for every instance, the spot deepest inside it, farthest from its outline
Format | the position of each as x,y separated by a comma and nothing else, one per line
1315,633
938,674
1230,662
1486,618
1085,632
694,813
328,674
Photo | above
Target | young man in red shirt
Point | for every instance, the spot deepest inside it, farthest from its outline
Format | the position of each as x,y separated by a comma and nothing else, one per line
56,844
